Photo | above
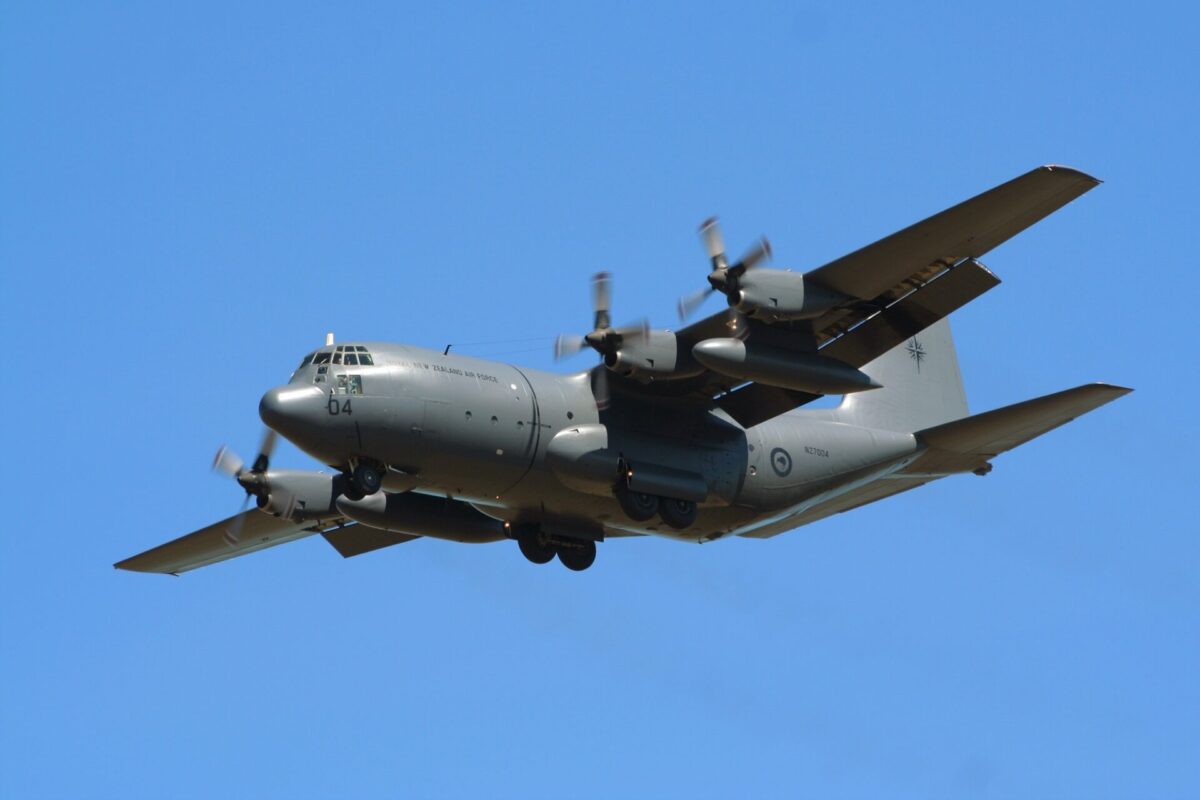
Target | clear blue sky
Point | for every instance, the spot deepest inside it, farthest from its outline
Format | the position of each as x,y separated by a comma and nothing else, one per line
192,194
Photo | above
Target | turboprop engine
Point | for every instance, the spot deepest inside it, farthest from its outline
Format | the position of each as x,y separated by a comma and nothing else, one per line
655,356
774,295
770,295
295,494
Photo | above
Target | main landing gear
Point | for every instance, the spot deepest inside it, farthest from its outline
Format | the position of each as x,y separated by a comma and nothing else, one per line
575,554
641,507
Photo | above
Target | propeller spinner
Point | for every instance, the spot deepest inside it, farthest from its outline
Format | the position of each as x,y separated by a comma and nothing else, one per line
252,480
724,277
604,339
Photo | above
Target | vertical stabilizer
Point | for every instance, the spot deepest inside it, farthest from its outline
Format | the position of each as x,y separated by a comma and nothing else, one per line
922,386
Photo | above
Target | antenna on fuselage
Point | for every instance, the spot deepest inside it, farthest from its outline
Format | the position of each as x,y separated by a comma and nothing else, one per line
329,339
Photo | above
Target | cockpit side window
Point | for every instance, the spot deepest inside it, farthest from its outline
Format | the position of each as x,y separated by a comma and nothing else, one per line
349,384
321,358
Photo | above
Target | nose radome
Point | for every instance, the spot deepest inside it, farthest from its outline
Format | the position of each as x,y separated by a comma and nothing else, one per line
285,407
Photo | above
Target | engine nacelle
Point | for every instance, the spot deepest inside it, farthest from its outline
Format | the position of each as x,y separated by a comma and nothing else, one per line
655,357
295,494
772,295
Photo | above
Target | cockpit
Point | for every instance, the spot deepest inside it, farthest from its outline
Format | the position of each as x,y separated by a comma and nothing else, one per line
347,354
329,366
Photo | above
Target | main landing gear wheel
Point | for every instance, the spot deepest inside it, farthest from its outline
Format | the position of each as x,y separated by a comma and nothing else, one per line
638,506
677,513
577,556
367,479
537,551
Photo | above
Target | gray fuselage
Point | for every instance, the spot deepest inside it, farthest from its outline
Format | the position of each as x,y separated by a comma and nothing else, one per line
481,432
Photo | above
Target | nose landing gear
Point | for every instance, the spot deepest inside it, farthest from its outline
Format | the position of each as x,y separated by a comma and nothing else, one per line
363,479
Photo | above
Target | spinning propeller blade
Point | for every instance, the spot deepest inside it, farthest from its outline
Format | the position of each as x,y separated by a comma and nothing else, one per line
252,480
723,277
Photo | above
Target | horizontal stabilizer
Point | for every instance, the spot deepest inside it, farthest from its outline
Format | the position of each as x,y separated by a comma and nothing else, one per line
968,444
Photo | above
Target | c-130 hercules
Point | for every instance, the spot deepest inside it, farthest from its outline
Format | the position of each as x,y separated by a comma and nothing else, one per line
691,434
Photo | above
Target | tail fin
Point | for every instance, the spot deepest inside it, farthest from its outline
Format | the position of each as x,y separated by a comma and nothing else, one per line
922,386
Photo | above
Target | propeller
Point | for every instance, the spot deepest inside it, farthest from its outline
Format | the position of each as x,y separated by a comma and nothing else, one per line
724,277
604,339
252,480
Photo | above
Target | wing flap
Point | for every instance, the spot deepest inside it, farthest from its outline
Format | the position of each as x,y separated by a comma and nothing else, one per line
212,544
913,313
967,230
359,539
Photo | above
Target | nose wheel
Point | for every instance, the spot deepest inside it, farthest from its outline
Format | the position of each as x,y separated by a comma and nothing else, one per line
363,480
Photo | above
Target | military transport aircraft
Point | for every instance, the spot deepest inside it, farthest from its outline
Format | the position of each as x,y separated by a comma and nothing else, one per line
692,434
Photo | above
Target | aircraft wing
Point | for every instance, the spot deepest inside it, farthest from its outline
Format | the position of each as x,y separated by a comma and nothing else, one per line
968,230
258,532
870,338
898,286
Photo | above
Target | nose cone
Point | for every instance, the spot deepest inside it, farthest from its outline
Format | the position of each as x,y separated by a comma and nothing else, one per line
291,410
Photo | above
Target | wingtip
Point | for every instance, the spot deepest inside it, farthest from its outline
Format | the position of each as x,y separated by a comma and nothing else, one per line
1062,168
